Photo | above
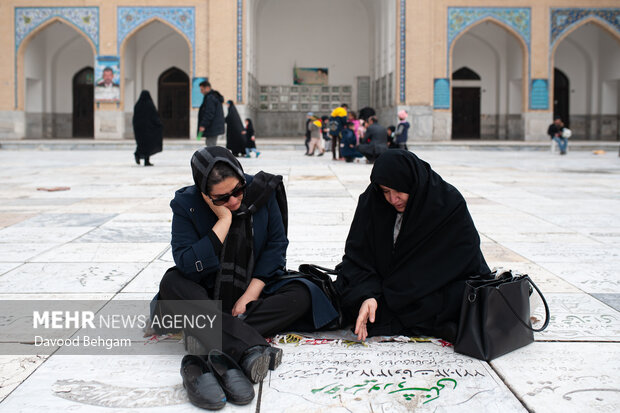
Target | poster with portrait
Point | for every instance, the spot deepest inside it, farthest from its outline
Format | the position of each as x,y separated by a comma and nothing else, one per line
107,79
310,75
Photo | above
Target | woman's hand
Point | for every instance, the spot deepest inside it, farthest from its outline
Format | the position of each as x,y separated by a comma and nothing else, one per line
367,313
220,211
242,302
251,294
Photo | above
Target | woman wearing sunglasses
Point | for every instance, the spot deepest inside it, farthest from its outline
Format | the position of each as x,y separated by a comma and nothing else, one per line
228,241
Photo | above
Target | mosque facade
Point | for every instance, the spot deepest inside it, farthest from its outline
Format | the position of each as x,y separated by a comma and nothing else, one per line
463,69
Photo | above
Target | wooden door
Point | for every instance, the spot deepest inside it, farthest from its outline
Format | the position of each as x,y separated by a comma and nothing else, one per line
465,113
173,103
83,103
561,93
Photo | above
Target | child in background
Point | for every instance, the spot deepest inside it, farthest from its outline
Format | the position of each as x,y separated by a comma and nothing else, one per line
402,130
250,139
390,138
348,143
326,137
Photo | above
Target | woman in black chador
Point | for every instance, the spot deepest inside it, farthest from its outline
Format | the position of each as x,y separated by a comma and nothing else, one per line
411,246
235,138
147,129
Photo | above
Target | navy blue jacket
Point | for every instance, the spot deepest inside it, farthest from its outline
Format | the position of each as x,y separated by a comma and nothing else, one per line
196,249
348,139
211,114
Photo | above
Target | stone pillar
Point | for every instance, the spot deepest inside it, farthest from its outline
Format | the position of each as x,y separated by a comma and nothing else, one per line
535,125
109,124
442,125
12,124
421,120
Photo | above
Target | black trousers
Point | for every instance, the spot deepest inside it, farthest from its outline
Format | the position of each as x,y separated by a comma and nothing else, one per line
266,316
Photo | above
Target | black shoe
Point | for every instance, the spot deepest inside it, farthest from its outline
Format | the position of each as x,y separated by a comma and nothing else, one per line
203,389
255,363
137,158
147,162
275,357
235,384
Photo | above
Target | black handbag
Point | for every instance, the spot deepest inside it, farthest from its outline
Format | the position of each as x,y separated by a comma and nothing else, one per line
320,276
495,316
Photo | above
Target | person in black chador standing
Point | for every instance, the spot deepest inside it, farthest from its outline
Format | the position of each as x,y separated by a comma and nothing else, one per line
210,114
147,129
235,138
411,247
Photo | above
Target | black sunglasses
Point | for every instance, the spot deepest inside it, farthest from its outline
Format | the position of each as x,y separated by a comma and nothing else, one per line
221,200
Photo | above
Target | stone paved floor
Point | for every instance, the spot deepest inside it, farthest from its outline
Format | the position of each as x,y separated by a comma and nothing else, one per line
556,218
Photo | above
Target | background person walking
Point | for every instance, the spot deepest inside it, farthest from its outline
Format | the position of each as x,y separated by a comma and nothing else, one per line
147,129
210,114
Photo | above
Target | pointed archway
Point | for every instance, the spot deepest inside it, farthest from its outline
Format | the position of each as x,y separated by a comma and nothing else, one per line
48,60
498,55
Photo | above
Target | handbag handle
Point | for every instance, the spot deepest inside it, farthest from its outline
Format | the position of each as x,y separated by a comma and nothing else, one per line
547,315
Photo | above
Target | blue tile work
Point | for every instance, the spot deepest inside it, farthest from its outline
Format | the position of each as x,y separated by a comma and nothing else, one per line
441,94
182,18
403,43
85,19
239,50
564,19
539,94
517,18
460,18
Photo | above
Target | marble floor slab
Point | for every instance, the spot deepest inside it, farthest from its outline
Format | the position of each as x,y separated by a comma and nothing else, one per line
121,232
578,317
43,235
102,252
612,300
14,370
69,277
19,252
147,281
599,277
395,377
66,220
564,377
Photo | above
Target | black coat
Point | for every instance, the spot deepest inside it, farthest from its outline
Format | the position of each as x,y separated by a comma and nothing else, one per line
147,127
418,281
211,114
235,139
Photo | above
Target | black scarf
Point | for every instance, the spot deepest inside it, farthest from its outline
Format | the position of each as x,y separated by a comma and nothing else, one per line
420,278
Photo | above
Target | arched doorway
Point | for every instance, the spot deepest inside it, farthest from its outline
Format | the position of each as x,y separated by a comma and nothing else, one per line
52,59
561,96
498,58
364,75
146,56
83,111
589,57
466,104
173,103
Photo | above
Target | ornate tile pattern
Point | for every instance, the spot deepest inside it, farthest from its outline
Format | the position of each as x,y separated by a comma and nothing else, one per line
239,50
460,18
441,94
182,18
85,19
564,19
539,94
403,42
